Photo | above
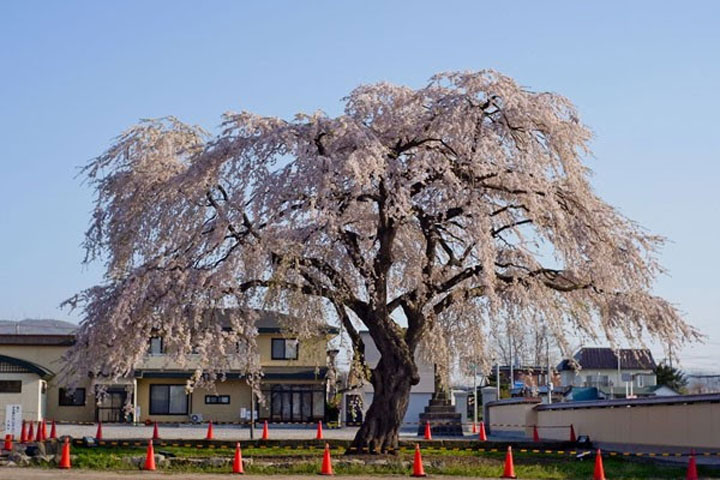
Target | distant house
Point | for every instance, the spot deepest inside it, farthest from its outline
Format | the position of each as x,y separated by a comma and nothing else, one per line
614,373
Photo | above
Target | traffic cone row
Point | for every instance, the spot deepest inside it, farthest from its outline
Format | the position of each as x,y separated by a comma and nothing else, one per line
237,461
65,456
481,435
692,473
326,468
418,469
150,457
509,470
599,472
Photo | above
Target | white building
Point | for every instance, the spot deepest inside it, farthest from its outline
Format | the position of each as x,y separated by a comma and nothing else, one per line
615,373
357,402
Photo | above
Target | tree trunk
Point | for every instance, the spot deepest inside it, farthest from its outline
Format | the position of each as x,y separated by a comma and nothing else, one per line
392,379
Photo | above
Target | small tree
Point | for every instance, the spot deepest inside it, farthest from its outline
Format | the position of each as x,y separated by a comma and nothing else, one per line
671,377
429,216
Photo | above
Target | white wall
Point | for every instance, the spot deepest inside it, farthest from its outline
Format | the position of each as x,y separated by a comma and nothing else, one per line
29,397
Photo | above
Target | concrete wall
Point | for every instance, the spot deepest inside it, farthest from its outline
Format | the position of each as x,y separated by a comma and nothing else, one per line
511,417
679,425
682,421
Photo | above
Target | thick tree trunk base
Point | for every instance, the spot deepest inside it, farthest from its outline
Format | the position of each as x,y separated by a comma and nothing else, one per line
379,432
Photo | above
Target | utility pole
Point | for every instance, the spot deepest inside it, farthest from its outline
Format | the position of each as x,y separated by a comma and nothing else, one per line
512,373
475,402
252,412
548,375
497,379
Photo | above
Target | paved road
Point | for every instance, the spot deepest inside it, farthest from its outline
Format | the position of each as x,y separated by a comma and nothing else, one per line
37,474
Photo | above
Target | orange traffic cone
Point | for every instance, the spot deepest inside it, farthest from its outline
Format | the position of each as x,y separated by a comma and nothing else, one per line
692,473
428,431
509,471
319,435
474,428
237,462
150,457
209,435
65,456
8,442
482,436
573,438
30,432
98,433
266,432
53,431
326,468
44,430
418,469
156,434
23,433
536,436
38,432
599,473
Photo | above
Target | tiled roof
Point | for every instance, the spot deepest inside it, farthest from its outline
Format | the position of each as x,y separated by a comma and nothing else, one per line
606,359
37,327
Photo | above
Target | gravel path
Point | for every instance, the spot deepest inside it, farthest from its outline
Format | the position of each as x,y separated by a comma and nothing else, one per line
198,432
220,432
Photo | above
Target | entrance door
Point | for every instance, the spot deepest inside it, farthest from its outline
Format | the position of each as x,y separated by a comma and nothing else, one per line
112,407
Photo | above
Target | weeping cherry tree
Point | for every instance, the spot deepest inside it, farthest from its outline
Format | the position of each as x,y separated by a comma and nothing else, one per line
430,217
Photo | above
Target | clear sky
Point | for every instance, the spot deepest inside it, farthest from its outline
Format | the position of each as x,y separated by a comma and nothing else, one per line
645,76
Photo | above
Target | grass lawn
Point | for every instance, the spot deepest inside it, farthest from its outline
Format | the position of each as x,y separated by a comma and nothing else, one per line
280,460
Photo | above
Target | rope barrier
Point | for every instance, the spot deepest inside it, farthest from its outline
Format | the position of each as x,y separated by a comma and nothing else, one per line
229,445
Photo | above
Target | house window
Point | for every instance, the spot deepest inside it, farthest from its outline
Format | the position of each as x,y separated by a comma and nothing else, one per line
284,349
71,398
156,346
217,399
168,400
10,386
640,380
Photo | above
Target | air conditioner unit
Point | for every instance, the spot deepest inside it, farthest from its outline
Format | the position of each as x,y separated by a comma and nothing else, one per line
196,418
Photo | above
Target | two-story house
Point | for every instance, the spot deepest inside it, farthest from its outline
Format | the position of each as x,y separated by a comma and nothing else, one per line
614,373
293,383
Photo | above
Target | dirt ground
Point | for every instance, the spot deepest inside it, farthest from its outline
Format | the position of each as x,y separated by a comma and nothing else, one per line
38,474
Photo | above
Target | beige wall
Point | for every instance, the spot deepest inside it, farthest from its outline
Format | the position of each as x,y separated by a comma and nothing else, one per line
29,396
681,425
505,418
238,390
48,357
674,425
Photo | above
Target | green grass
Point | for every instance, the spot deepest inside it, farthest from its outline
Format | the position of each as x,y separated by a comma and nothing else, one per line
437,462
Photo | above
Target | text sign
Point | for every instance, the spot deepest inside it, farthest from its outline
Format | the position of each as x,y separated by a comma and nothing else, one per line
13,420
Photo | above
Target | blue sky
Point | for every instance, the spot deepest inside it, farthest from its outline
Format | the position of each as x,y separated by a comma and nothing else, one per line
644,76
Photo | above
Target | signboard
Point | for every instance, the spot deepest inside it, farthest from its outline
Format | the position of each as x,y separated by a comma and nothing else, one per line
13,420
627,377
